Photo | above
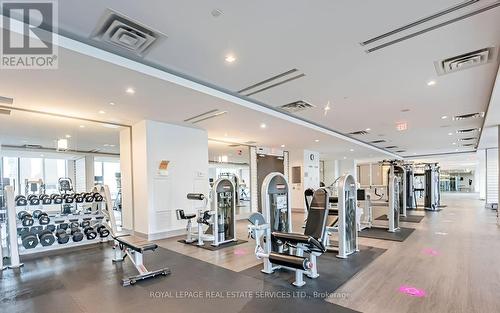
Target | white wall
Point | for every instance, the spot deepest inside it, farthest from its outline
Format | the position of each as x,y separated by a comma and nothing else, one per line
156,197
126,179
310,175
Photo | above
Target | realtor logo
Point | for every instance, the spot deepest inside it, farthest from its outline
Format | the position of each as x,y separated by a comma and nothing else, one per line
28,35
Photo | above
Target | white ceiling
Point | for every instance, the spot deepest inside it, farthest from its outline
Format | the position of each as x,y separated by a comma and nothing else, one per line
453,162
322,41
83,85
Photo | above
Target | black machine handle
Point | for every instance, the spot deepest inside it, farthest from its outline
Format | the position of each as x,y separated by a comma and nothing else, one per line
195,196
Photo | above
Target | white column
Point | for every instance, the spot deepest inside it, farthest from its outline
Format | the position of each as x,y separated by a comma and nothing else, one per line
481,174
126,179
157,194
89,172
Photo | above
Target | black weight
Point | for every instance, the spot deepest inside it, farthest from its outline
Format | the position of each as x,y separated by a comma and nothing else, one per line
27,220
52,196
21,214
44,219
35,230
62,236
69,199
90,233
50,228
89,198
47,200
46,238
57,200
63,226
103,231
74,224
22,231
85,223
36,213
34,200
29,241
79,199
98,197
77,236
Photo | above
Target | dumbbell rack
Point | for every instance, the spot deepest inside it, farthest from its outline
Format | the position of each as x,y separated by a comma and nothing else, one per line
17,249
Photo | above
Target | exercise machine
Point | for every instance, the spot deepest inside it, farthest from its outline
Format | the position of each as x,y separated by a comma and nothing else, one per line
411,199
34,187
306,247
432,193
365,216
398,169
220,219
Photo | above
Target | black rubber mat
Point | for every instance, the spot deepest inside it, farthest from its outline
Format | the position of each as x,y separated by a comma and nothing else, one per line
408,218
208,244
334,272
88,281
382,233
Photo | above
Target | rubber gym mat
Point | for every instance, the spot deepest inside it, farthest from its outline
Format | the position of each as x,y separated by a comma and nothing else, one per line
382,233
333,272
208,244
408,218
53,285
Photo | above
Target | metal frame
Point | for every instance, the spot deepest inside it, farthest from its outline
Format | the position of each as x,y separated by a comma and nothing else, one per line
215,208
393,212
266,202
348,237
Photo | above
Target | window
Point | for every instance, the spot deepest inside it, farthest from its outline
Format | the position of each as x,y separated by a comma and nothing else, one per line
30,169
54,169
105,173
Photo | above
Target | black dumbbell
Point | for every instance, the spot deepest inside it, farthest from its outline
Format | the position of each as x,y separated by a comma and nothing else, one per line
76,234
74,224
90,233
51,228
44,219
79,199
36,213
62,236
46,238
62,226
46,199
98,197
26,218
21,201
29,240
89,198
85,223
69,199
103,231
33,200
57,199
35,230
21,231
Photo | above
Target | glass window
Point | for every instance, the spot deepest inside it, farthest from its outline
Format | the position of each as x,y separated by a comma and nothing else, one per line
10,172
54,169
30,169
110,169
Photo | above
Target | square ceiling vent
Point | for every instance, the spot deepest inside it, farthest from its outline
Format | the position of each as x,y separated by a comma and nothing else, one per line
296,106
465,61
120,31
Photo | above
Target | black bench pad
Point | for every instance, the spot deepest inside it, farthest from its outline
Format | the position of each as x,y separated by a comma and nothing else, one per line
136,243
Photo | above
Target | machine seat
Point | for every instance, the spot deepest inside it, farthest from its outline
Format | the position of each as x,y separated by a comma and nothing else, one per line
136,243
294,238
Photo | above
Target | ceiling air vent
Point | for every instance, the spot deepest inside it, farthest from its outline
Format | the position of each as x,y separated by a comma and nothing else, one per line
468,116
391,147
378,141
233,145
400,151
468,130
465,61
467,138
296,106
359,133
121,31
6,100
467,145
250,142
4,112
272,82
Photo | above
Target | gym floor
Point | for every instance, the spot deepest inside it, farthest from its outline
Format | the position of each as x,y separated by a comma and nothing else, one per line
449,257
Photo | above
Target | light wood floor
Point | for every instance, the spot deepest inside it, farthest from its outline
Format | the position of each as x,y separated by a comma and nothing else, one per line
464,277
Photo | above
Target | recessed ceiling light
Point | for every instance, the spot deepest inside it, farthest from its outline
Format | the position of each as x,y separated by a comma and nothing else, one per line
106,145
454,143
230,58
352,150
216,12
282,146
82,126
444,117
42,155
112,103
112,146
450,134
327,107
368,129
68,136
345,158
431,83
263,125
102,112
130,90
317,140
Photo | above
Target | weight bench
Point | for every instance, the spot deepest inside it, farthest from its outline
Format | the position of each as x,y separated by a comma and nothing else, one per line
134,247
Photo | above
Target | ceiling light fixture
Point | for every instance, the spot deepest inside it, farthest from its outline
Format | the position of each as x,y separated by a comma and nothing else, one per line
102,112
282,146
368,129
352,150
68,136
444,117
230,58
317,140
450,134
263,125
82,126
431,83
130,90
327,108
454,143
62,144
112,103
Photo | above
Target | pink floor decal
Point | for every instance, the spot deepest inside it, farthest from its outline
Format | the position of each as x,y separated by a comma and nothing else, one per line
240,252
412,291
430,251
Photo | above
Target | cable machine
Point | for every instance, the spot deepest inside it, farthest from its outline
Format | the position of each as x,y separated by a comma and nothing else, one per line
432,193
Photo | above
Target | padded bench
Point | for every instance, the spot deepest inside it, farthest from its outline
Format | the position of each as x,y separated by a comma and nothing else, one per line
134,247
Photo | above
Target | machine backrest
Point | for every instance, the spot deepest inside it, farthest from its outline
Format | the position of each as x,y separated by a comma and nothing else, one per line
318,215
308,194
